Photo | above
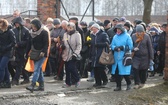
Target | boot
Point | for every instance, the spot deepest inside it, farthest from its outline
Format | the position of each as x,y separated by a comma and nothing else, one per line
128,87
41,87
152,74
117,89
31,87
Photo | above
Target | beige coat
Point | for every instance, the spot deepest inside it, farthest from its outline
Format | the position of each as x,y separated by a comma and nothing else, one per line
75,43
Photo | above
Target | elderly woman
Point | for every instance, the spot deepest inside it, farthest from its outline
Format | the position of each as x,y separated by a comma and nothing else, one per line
7,42
99,40
39,41
143,53
72,45
119,43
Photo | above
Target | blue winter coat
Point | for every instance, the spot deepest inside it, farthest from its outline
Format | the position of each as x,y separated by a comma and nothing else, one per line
100,39
121,40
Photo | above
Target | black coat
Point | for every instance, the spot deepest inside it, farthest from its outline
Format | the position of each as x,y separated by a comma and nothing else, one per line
22,44
111,33
7,42
162,43
98,42
40,42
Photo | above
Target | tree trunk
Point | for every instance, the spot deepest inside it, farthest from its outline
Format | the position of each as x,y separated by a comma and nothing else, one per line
147,11
166,59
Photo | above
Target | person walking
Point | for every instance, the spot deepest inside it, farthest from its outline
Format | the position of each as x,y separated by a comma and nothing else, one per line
143,54
40,41
7,42
119,43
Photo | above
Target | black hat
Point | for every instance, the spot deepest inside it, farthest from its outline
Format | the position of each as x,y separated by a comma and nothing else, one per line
164,25
56,21
127,24
106,22
100,23
74,18
37,23
83,23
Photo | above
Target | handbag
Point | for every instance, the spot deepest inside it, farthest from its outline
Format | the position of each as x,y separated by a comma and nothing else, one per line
106,58
35,54
127,60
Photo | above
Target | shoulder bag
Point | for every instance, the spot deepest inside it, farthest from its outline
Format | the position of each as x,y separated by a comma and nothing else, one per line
106,58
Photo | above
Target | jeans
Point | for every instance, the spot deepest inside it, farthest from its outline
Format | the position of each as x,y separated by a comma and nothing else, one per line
38,73
4,73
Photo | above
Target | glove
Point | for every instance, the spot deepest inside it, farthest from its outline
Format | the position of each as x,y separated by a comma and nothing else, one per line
42,54
116,48
73,57
136,49
121,48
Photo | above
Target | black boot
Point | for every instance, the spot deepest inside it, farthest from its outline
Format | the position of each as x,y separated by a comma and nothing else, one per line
41,87
31,87
152,74
5,85
117,89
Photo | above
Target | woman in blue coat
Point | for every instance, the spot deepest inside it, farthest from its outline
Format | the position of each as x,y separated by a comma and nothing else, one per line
120,40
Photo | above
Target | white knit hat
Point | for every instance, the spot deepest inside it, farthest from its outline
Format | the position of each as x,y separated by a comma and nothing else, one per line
96,26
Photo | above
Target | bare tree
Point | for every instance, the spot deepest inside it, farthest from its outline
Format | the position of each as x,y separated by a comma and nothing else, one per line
147,11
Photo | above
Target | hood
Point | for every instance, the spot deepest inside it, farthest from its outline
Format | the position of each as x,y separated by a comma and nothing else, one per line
18,20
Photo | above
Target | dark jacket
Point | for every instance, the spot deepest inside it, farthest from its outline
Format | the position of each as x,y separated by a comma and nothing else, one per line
22,35
111,33
7,41
40,42
143,56
162,43
155,41
98,42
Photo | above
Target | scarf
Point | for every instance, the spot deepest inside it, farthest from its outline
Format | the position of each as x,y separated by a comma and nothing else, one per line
36,33
139,37
71,32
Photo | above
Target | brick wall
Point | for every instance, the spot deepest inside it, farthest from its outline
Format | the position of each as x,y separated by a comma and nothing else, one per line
47,8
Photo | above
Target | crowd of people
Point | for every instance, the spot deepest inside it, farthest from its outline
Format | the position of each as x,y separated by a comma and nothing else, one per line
73,48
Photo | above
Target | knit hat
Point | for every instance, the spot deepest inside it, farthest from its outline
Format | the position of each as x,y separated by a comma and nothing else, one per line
56,21
140,28
154,29
37,23
106,22
116,19
91,23
95,26
122,19
74,18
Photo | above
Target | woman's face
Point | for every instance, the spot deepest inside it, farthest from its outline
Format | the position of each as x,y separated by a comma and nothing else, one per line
34,28
119,31
69,28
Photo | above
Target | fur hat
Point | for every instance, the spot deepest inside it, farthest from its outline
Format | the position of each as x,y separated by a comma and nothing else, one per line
140,28
56,21
95,26
71,24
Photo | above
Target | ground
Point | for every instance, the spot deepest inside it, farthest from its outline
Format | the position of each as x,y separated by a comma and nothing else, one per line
155,92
